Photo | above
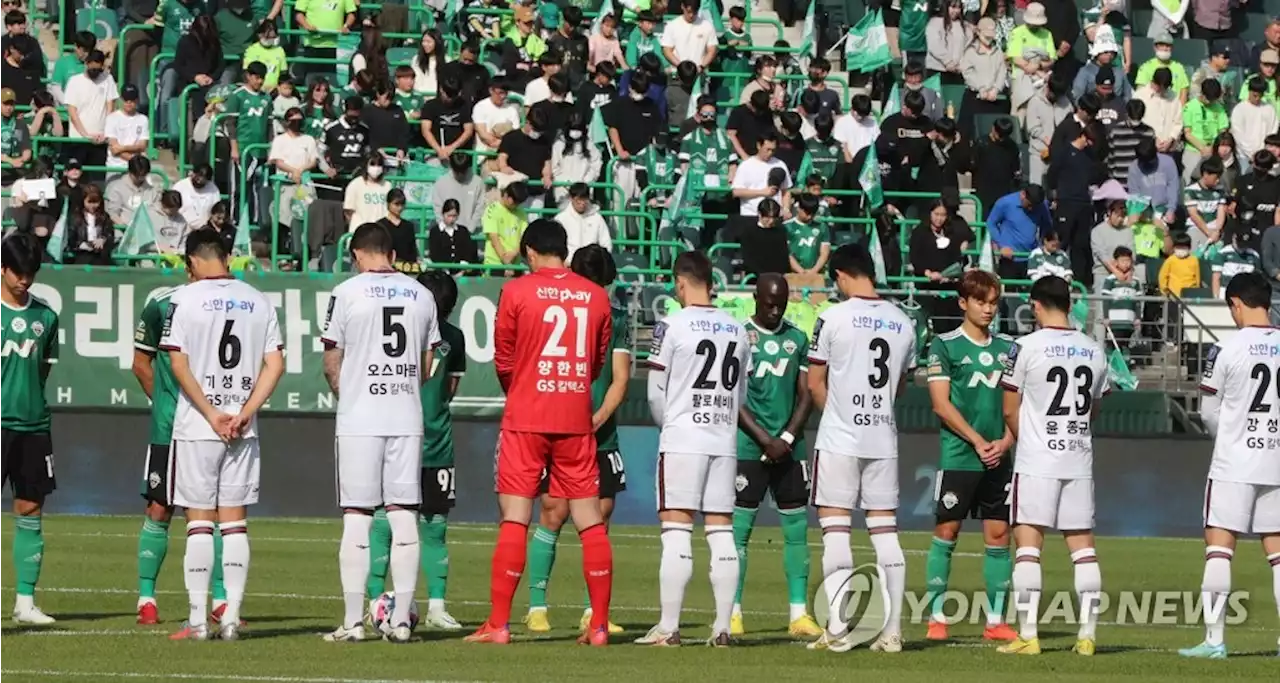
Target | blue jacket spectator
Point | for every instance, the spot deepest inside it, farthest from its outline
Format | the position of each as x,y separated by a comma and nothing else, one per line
1016,220
1087,79
1155,175
657,91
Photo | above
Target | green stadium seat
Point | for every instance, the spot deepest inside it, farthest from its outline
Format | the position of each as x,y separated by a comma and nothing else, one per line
1190,52
397,56
1143,50
628,264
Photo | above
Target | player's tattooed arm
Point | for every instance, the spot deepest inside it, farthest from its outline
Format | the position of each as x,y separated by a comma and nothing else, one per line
333,367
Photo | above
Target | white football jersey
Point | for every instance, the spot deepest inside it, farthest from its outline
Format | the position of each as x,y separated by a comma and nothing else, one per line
706,357
1243,373
383,322
1060,373
225,327
868,346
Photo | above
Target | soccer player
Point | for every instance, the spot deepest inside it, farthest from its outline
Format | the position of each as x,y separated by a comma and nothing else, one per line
550,336
862,351
30,348
595,263
448,364
770,423
696,385
976,467
1240,407
1054,380
224,332
379,337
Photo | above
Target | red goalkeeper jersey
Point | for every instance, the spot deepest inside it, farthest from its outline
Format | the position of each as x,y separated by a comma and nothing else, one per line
552,331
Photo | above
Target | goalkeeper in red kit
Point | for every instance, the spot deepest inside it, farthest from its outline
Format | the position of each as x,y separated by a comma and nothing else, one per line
551,335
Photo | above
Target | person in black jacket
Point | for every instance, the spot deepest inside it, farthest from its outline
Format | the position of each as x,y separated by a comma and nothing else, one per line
449,241
90,234
765,247
198,60
388,126
1070,177
404,234
469,72
346,146
949,156
997,164
936,254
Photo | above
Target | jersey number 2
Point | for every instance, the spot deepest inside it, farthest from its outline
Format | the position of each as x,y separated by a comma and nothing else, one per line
1262,374
730,369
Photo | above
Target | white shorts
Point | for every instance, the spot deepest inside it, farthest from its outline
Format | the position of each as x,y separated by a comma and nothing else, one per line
1062,504
373,471
212,474
848,482
1242,508
699,483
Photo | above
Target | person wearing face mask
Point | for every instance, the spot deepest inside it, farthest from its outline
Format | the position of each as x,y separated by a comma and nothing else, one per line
293,153
913,81
268,52
763,77
747,122
573,158
558,105
525,154
1163,111
463,185
633,124
986,77
90,98
708,163
828,99
346,144
1182,270
1257,199
582,221
365,200
199,194
1180,82
651,66
1101,66
857,129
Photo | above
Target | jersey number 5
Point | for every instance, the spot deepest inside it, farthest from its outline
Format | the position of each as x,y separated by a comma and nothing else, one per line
730,368
559,319
393,330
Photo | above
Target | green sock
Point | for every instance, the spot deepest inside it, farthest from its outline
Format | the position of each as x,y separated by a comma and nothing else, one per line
379,554
795,553
435,554
219,593
542,556
997,568
744,520
153,545
28,553
937,572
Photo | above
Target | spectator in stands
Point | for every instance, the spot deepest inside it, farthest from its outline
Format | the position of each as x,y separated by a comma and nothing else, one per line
791,145
1234,258
762,177
15,139
828,99
319,109
1155,176
1063,21
905,137
558,105
913,81
404,233
582,220
748,123
1234,164
494,117
1206,205
950,155
33,209
1031,52
388,125
1257,197
986,78
464,186
1181,270
633,124
539,89
644,40
1269,71
170,227
824,154
525,154
1123,138
997,164
429,64
365,199
522,48
947,37
1271,267
657,92
198,61
764,78
446,122
503,224
324,19
33,62
603,47
1049,259
1050,107
1179,83
346,145
360,85
1070,179
569,41
132,192
267,51
1110,105
127,131
598,91
71,186
808,240
220,222
1203,119
90,235
1014,226
1109,15
681,88
735,48
937,253
473,76
371,54
1163,111
44,118
1210,19
573,158
237,27
1270,41
1252,120
293,153
199,194
1102,60
689,37
71,63
449,241
1216,68
15,76
764,241
1114,232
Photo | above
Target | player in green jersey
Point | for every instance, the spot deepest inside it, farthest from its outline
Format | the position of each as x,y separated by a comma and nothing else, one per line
809,240
976,465
770,424
29,341
595,263
251,106
438,498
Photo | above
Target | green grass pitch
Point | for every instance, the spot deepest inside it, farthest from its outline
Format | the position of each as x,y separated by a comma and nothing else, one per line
89,584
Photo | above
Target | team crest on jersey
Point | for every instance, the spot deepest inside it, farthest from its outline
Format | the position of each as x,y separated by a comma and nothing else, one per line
19,325
655,344
37,328
771,347
789,346
753,337
949,500
985,358
444,348
740,483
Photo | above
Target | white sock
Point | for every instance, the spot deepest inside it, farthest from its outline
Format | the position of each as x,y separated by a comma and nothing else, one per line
1026,590
884,538
737,609
1214,588
674,572
353,566
1274,559
197,567
405,558
435,605
724,574
235,567
837,568
24,603
1089,589
796,611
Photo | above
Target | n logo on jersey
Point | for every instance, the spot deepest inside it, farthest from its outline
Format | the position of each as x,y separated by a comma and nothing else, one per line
776,369
808,241
991,379
352,149
255,111
23,349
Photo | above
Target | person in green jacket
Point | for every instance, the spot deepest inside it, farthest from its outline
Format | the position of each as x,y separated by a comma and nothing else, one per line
175,18
268,52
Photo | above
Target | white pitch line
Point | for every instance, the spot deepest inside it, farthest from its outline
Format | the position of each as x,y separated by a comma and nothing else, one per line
54,673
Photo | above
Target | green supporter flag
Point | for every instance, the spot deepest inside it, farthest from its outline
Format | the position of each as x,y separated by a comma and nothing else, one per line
140,237
57,245
1118,372
869,179
711,12
419,178
452,8
599,132
808,34
348,44
866,46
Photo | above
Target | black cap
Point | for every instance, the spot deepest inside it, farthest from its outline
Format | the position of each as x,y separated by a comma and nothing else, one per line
1105,77
72,163
1220,48
129,93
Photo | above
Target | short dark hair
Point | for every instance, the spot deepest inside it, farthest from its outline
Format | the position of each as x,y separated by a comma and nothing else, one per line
759,100
1050,235
1252,289
171,199
545,237
1052,293
372,238
737,12
687,71
913,68
1003,127
96,57
853,260
1211,166
1089,102
768,208
1121,252
595,263
139,165
1182,239
1211,89
1163,77
395,196
607,69
640,81
860,104
819,64
572,15
517,192
808,203
538,119
580,191
353,103
21,254
1034,193
914,102
86,40
443,289
205,244
694,266
1257,84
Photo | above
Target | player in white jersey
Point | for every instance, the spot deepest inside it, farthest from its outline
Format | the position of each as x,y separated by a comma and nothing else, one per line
698,368
378,337
861,354
225,349
1054,380
1240,406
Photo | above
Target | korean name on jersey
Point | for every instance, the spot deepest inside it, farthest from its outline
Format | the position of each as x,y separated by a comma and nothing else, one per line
704,352
1244,373
383,322
225,327
868,345
1059,373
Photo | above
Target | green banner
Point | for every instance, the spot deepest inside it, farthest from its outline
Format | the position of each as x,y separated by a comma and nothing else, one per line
98,310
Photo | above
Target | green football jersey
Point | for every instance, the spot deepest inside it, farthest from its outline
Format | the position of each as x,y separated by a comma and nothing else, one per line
709,156
1041,263
973,369
1119,306
778,357
253,123
911,26
449,360
177,17
410,102
1231,262
164,394
821,157
607,434
29,342
806,240
1207,200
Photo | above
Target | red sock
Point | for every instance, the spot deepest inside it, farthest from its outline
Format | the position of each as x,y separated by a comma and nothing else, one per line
508,566
597,568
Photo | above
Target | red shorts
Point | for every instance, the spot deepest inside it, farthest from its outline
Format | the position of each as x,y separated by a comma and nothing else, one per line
522,457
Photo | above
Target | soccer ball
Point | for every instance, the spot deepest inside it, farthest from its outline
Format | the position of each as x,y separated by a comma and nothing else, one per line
380,613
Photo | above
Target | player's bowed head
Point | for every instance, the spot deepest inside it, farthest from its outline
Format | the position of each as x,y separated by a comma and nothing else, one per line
853,270
1051,301
206,255
595,263
20,256
371,248
1249,298
544,244
772,292
692,272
